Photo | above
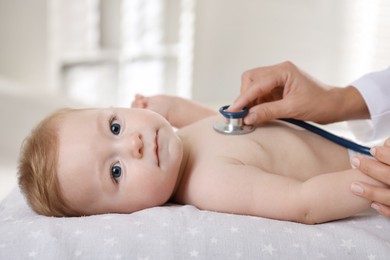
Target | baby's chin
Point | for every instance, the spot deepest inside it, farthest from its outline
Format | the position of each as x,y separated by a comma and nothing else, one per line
172,147
176,155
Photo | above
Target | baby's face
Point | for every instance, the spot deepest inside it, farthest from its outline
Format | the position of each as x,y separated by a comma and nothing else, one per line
117,160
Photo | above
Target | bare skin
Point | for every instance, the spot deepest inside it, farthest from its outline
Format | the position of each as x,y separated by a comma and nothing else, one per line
285,91
276,171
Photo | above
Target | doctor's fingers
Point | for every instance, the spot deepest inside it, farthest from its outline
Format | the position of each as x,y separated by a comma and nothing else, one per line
375,193
271,74
268,111
381,208
245,99
379,196
257,84
387,142
382,154
254,93
373,168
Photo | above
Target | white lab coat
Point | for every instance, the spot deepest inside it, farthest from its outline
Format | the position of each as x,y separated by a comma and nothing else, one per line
375,89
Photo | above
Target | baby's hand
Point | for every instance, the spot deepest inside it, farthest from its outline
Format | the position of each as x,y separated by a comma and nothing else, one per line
160,103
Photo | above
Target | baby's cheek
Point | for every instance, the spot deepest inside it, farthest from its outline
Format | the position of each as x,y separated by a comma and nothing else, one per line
160,192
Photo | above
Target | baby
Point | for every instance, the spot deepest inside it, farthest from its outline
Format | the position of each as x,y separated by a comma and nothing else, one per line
120,160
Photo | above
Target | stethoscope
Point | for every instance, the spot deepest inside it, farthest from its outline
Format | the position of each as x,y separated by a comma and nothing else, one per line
233,124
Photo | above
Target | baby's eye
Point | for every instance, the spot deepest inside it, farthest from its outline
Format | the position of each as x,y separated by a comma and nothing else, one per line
116,171
115,127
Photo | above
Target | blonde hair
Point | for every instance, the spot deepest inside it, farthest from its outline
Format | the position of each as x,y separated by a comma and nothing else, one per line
37,173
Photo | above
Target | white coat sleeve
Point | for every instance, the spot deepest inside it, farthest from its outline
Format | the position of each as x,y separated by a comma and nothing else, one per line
375,89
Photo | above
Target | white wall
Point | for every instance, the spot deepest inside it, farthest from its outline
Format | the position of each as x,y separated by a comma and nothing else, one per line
233,36
19,113
23,42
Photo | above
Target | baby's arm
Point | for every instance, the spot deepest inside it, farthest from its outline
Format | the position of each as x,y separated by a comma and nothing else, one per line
178,111
243,189
328,196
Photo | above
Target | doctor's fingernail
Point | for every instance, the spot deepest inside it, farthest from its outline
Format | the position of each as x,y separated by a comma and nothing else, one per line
375,206
357,188
355,162
373,151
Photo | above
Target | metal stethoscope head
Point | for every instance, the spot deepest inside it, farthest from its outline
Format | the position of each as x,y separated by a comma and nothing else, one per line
233,123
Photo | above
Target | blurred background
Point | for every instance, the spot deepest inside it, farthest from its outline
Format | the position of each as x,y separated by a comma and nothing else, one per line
56,53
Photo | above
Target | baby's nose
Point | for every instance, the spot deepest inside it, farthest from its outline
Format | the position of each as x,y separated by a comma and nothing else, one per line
136,145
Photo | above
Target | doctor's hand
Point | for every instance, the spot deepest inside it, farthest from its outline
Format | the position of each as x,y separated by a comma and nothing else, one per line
379,169
285,91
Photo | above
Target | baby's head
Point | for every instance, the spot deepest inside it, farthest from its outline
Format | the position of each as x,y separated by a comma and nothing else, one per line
94,161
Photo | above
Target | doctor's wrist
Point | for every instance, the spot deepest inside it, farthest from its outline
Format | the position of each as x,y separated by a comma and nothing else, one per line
348,104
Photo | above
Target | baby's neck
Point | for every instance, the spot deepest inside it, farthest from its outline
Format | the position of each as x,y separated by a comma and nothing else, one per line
183,167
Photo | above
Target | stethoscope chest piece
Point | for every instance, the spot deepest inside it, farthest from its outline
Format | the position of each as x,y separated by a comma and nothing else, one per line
233,123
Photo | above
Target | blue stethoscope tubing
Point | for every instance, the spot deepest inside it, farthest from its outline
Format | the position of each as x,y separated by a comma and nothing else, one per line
321,132
334,138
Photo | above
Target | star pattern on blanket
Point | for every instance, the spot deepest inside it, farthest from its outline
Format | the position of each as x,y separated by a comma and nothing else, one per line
35,234
347,244
234,229
110,241
194,253
321,256
77,232
269,248
188,233
238,255
193,231
32,254
78,253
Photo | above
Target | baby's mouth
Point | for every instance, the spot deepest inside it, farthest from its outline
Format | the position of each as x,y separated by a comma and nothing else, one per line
156,149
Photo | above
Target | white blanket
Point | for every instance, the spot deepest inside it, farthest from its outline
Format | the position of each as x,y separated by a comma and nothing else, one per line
184,232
